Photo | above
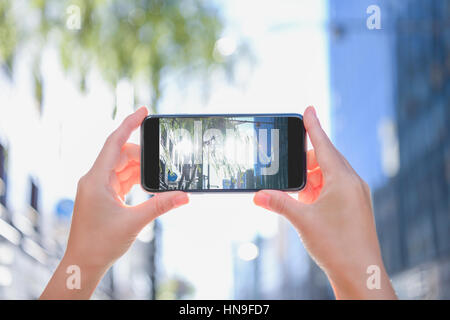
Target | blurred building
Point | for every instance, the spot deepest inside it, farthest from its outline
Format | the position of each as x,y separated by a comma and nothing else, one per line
390,113
25,260
280,269
362,87
421,197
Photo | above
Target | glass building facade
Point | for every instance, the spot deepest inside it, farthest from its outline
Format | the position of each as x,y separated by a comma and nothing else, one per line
416,231
394,130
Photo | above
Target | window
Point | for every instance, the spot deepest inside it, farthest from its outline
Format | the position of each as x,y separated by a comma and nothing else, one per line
34,204
34,196
3,177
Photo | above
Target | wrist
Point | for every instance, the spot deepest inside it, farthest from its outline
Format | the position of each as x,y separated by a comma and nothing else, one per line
90,267
82,276
73,279
86,256
362,281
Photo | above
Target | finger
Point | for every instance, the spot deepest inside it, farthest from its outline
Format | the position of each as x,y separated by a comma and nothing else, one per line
315,194
315,177
110,154
281,202
326,154
307,194
311,160
128,172
158,205
126,186
130,153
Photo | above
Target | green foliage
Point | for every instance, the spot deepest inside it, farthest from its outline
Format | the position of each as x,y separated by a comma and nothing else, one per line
8,36
175,288
139,40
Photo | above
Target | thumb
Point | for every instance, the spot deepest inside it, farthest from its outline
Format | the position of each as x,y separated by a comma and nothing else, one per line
327,156
157,205
282,203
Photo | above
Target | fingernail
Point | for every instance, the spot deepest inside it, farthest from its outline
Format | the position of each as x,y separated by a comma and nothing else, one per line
181,199
262,199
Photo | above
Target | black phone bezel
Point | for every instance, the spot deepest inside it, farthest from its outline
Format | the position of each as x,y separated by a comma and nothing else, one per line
150,129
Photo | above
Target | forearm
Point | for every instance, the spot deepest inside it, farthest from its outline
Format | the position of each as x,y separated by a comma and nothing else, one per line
69,284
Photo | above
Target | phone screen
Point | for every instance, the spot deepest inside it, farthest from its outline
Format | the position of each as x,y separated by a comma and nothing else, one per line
223,153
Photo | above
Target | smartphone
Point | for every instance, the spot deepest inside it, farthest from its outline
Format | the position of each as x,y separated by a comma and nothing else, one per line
223,153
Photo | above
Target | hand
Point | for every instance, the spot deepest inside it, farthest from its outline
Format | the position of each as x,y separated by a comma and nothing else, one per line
334,218
103,226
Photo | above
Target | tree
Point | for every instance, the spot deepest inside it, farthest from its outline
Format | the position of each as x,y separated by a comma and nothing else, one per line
138,40
217,157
